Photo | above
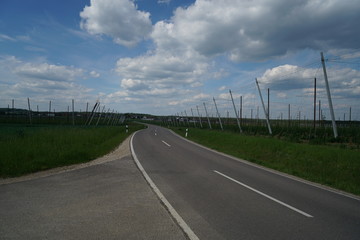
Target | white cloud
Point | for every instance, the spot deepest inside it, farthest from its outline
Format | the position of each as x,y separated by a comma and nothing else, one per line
48,72
41,80
344,82
118,19
94,74
4,37
185,45
134,85
260,29
160,71
164,1
222,88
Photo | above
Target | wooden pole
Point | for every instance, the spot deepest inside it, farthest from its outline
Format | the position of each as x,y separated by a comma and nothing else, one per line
268,103
266,113
49,110
236,115
241,109
200,121
218,115
29,111
192,113
314,103
207,116
329,97
73,113
319,112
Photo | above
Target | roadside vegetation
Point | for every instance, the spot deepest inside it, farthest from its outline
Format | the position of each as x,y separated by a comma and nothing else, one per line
335,166
31,148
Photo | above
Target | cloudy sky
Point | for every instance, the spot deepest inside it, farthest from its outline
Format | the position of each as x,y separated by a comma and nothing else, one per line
169,56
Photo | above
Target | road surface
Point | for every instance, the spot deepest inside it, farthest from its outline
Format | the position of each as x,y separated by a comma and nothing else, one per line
222,198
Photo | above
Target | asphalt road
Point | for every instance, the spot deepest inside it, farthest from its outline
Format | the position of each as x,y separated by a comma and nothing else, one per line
222,198
108,199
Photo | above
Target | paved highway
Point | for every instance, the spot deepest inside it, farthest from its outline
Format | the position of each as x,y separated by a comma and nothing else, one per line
223,198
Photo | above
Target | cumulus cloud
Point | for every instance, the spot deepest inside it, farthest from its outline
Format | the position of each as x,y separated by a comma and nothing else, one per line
288,77
260,29
186,44
118,19
159,70
134,85
42,80
244,31
344,82
48,72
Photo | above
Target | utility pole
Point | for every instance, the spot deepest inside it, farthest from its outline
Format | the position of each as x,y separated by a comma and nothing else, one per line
222,129
329,97
237,117
207,116
262,101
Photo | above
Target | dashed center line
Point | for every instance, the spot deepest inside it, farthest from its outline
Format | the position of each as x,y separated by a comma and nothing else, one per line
166,143
265,195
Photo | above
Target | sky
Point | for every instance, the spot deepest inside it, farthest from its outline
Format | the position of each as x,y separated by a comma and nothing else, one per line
167,57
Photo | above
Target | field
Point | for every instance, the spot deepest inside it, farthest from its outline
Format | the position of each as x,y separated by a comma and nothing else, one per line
30,148
336,165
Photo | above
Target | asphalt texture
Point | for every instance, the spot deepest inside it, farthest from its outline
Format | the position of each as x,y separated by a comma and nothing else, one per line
220,197
106,200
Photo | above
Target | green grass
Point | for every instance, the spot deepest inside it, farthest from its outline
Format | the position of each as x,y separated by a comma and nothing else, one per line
27,149
332,166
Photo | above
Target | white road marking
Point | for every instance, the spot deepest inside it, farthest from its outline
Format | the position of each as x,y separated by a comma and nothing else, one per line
265,195
187,230
166,143
285,175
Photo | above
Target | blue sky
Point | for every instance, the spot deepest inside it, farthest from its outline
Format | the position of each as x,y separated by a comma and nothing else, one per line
168,56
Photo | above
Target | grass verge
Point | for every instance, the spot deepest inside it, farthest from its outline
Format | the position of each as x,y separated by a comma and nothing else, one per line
27,149
332,166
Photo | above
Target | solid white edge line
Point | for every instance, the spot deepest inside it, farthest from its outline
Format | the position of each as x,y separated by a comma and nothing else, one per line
166,143
282,174
180,221
265,195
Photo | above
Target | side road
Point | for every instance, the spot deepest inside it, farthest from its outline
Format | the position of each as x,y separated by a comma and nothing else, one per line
107,198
